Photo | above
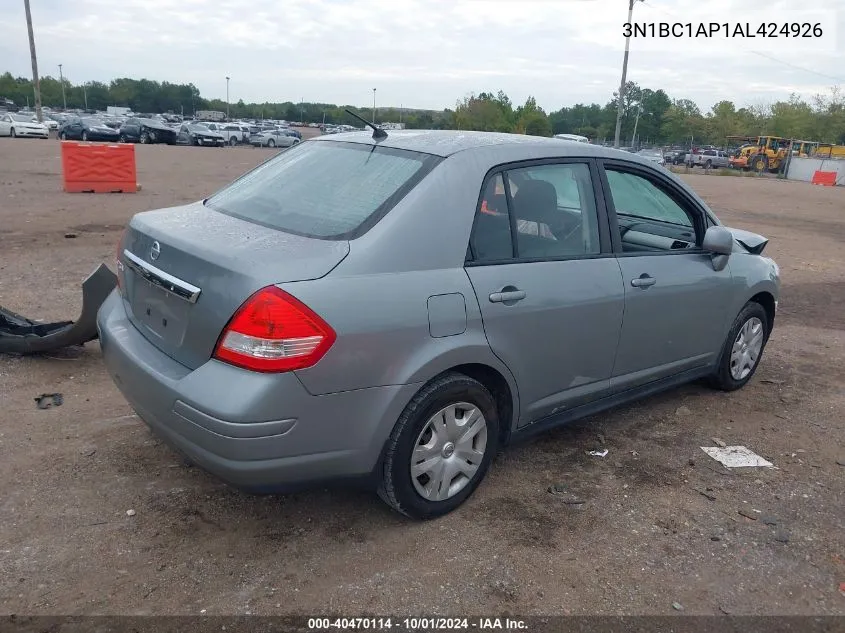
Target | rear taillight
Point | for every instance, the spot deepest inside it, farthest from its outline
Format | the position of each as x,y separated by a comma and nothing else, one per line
274,332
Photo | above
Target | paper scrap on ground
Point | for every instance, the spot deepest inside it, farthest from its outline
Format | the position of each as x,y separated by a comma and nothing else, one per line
736,456
598,453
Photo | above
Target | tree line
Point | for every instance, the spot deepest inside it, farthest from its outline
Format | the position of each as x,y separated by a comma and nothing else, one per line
657,118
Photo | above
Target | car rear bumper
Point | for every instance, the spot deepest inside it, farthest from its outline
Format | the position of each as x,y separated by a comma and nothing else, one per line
261,432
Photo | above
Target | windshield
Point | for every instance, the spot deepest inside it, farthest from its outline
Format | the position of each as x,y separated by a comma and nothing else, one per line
198,126
94,122
650,152
21,118
323,189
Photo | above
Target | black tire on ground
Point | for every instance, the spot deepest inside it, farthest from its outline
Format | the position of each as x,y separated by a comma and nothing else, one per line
63,136
12,133
271,143
144,137
396,487
233,140
722,377
708,164
759,164
84,135
121,138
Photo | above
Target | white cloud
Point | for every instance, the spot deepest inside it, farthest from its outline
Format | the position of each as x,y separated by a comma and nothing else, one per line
420,53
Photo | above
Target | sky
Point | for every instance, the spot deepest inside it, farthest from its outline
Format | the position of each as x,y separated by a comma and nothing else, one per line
428,53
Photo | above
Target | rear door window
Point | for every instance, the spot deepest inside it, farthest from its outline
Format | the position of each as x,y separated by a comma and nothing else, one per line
325,189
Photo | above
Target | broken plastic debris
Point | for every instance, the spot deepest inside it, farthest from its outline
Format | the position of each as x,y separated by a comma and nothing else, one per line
47,400
736,456
598,453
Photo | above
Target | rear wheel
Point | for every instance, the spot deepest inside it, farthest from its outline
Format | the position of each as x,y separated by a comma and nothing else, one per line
233,140
271,143
144,138
708,164
84,135
743,348
63,136
760,164
441,447
12,133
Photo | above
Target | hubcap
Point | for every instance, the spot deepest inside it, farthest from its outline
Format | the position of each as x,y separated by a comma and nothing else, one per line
448,451
746,348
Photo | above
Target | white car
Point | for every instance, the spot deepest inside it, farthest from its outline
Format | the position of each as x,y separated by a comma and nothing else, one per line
21,125
51,124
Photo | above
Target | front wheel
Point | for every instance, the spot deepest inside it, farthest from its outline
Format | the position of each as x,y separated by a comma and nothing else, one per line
84,136
271,143
441,447
63,136
12,133
144,138
743,348
233,141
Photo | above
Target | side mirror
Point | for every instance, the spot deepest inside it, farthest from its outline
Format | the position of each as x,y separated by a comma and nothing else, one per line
720,242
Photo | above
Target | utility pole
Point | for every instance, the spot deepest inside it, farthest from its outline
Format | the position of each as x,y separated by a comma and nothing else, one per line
36,83
374,106
85,94
62,81
302,110
620,107
227,98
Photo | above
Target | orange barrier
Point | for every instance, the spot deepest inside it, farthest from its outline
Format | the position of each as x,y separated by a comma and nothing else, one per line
98,168
826,178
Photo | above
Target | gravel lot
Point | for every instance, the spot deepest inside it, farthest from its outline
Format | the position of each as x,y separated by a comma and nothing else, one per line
662,523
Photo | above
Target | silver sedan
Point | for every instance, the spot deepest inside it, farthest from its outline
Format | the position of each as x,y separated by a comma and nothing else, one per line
273,138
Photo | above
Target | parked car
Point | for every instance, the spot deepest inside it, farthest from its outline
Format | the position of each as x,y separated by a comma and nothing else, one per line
384,323
233,133
194,133
49,123
708,158
12,124
653,155
87,129
273,138
675,157
138,130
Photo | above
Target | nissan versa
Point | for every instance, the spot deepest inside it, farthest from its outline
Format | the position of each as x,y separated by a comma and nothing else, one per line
396,308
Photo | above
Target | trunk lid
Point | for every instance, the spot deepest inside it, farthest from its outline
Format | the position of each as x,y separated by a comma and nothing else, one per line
222,258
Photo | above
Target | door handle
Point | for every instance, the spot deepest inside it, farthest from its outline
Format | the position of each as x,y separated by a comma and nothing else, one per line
643,281
507,295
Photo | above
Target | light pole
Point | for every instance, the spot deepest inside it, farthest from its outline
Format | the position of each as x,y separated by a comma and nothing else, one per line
62,81
620,107
636,123
85,94
36,83
227,98
374,106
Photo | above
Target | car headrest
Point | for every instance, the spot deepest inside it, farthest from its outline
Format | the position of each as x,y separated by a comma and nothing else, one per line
535,200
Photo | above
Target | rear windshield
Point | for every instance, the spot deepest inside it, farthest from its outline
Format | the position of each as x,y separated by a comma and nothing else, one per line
324,189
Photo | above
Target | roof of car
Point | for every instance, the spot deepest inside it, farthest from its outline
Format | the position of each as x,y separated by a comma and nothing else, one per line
448,142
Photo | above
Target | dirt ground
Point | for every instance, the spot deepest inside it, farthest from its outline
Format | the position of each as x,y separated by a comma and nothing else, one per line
661,522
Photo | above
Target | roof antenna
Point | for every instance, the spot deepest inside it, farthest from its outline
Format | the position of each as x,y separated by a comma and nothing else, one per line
378,133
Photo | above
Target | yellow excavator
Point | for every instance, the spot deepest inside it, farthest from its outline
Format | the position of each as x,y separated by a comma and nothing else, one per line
768,153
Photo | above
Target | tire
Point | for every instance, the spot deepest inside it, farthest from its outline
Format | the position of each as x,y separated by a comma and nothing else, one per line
398,487
760,164
726,377
121,138
84,135
233,140
708,164
271,143
193,141
144,137
63,136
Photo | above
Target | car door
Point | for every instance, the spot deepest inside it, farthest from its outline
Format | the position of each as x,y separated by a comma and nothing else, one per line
5,125
548,285
674,299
